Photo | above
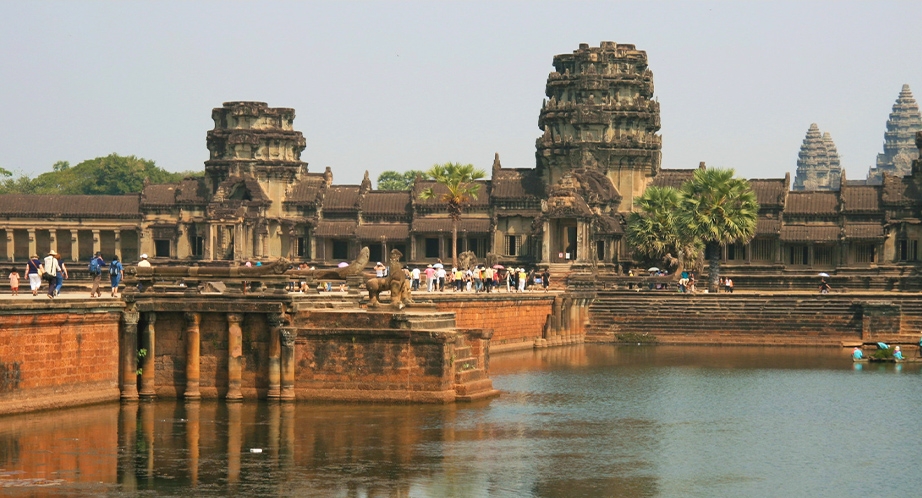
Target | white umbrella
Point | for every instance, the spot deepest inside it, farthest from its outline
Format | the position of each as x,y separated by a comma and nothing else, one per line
653,269
343,264
824,274
438,265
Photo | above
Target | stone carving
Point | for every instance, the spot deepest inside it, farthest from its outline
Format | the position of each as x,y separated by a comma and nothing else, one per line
467,260
375,286
396,283
818,165
287,338
899,153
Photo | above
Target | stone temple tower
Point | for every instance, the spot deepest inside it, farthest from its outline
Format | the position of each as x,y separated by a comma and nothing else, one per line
899,139
818,166
600,115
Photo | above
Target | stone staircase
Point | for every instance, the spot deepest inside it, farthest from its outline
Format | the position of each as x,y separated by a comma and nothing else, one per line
471,381
559,274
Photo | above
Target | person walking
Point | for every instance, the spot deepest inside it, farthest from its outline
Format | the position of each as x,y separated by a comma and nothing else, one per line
14,283
51,267
59,279
95,268
115,274
546,278
34,273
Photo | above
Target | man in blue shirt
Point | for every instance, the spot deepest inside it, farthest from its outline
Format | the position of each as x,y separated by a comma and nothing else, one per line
857,354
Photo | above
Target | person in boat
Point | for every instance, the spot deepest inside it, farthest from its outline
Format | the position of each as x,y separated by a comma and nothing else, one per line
857,354
897,354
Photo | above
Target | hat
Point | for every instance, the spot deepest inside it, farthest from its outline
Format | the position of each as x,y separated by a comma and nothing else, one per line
144,256
52,253
379,263
99,253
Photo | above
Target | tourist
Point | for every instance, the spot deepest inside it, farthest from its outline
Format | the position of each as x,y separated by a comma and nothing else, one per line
546,278
115,274
488,279
95,268
857,354
440,277
59,280
379,270
897,354
728,283
414,276
14,283
824,287
52,268
430,277
144,263
720,284
523,279
478,281
34,272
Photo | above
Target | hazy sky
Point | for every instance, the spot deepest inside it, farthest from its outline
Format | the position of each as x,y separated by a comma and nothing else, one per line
402,85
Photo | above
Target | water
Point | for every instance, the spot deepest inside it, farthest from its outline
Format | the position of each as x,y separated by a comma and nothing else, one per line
594,420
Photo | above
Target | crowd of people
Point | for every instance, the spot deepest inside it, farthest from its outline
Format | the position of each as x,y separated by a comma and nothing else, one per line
478,279
52,271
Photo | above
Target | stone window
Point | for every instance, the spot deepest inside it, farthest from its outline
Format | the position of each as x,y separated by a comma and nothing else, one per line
162,248
798,255
736,252
301,247
512,245
600,250
824,256
198,247
908,250
432,247
341,250
865,253
763,250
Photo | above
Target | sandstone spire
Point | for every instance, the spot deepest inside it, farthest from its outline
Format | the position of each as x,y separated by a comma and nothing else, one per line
899,139
818,166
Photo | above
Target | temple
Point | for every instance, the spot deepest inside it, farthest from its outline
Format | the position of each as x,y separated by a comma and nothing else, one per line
599,149
818,165
899,149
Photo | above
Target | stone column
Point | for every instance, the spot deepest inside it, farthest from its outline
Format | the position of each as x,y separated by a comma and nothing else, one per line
148,365
129,355
234,356
193,424
74,246
413,242
97,244
33,249
53,240
118,243
275,351
192,356
234,443
546,242
11,246
208,242
287,337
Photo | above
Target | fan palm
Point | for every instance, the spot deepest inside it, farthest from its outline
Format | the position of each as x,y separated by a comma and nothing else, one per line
460,182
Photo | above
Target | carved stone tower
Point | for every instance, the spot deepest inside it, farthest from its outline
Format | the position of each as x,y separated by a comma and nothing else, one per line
899,146
818,166
600,115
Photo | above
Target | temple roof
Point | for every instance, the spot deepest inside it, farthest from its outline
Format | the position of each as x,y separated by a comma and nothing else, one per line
375,231
768,226
443,225
341,198
860,198
769,192
307,191
343,229
817,203
381,202
71,206
672,177
482,200
864,231
516,184
810,233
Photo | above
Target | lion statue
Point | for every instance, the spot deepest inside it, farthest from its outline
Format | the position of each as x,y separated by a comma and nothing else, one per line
396,283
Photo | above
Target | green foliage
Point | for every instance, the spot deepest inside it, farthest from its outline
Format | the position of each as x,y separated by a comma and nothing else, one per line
459,181
635,338
109,175
653,229
883,354
393,180
5,172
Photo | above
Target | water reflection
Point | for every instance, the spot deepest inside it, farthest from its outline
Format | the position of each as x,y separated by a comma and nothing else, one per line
576,421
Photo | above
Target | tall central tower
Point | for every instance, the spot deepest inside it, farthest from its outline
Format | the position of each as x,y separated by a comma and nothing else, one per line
599,114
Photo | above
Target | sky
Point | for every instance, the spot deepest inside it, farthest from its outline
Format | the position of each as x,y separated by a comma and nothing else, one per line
404,85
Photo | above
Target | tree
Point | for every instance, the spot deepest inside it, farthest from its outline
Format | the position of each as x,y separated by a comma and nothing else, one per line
460,186
653,230
717,209
393,180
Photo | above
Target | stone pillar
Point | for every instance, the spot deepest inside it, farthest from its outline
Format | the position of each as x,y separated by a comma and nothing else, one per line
53,240
33,249
193,425
192,356
234,443
287,337
234,356
148,365
275,350
118,243
129,355
11,246
74,246
546,242
208,242
97,244
413,242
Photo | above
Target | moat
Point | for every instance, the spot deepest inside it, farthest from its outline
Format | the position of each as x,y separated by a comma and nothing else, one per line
583,420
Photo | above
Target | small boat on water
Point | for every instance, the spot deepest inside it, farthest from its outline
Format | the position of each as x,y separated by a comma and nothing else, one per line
871,359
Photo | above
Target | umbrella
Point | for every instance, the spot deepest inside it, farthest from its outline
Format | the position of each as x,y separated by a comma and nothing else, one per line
824,274
499,267
343,264
653,269
438,265
881,345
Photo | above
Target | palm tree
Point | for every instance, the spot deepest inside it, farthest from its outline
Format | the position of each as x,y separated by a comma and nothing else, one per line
460,185
717,209
652,231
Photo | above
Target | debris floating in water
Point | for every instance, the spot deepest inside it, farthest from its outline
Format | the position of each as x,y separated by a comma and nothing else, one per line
256,450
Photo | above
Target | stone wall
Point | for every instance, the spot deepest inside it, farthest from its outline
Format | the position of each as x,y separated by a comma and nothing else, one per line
518,320
54,355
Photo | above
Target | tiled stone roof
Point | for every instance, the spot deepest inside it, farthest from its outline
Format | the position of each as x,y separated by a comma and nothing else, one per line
810,233
864,231
307,191
70,206
768,226
816,203
516,184
192,191
769,192
672,177
375,231
335,229
863,198
443,225
386,203
342,198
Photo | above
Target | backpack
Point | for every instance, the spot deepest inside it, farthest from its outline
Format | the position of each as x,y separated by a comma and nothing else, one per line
94,266
113,269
